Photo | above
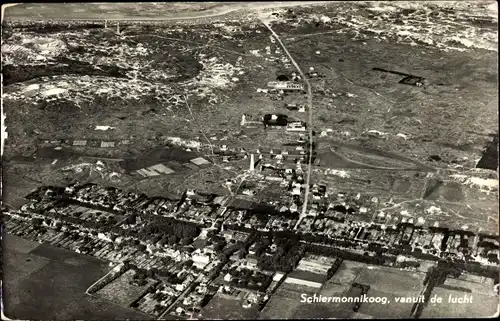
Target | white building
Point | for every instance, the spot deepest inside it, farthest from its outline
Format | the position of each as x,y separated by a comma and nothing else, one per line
296,127
200,260
285,85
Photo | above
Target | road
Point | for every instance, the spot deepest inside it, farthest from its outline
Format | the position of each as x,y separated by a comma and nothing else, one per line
115,269
181,296
309,124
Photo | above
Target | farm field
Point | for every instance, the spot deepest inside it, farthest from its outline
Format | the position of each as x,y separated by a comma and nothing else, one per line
33,271
481,306
383,282
286,302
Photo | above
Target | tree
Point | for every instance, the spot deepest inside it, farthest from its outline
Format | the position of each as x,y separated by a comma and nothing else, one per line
131,219
150,273
163,241
172,239
155,238
111,220
219,246
36,221
242,254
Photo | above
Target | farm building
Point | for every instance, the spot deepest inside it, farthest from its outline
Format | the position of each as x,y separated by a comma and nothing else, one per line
298,126
285,85
79,142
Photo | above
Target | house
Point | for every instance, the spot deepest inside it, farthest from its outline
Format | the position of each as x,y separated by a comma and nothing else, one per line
251,263
228,235
79,142
107,144
208,249
252,248
180,287
296,189
200,260
277,276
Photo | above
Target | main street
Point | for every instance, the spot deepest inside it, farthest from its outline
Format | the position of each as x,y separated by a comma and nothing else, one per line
309,124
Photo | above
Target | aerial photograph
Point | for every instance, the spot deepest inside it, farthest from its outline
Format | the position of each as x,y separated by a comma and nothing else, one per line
250,160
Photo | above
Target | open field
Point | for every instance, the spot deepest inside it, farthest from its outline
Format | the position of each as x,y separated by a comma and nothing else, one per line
383,282
33,271
286,302
481,306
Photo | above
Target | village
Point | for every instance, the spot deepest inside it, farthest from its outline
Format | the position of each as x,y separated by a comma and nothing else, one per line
240,165
181,253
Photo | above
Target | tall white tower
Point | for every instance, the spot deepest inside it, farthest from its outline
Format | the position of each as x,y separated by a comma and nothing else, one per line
252,163
118,28
243,120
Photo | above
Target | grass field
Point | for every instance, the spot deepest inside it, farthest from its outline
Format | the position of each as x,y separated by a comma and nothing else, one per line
383,282
42,282
285,303
482,306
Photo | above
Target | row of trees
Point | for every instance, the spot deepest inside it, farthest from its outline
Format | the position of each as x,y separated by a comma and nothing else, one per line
335,266
347,255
